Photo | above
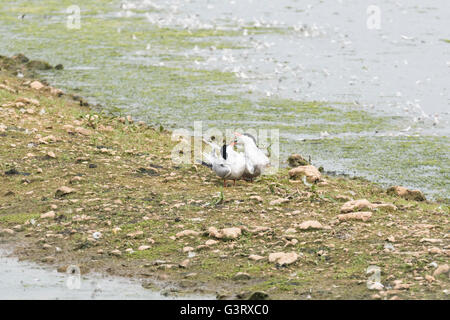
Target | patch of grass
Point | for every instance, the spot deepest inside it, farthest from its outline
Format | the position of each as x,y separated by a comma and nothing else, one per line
17,218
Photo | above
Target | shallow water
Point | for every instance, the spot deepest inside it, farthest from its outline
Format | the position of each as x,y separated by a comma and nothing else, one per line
24,280
256,64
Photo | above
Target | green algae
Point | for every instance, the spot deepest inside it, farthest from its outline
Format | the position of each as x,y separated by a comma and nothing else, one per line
416,161
108,61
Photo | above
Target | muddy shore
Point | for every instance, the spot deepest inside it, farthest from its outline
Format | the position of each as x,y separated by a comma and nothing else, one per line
86,188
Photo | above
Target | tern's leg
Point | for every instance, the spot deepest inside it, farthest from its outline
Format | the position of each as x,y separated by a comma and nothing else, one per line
224,183
234,182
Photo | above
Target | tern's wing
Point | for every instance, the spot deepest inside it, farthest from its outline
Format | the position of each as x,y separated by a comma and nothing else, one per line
212,145
263,158
257,156
249,166
222,170
210,157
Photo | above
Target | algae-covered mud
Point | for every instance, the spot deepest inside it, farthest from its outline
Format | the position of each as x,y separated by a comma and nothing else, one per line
362,90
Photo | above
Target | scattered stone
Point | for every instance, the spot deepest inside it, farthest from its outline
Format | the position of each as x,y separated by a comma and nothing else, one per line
5,87
258,295
290,230
103,128
48,259
399,285
255,257
75,179
312,173
386,206
188,249
135,235
6,231
211,242
296,160
62,191
62,269
38,65
142,248
293,242
390,239
256,198
231,233
240,276
358,205
184,263
435,250
282,258
36,85
51,155
310,224
74,269
187,233
278,201
28,101
431,240
343,198
48,215
56,92
226,233
257,229
83,131
442,269
116,253
405,193
48,139
69,128
375,286
362,216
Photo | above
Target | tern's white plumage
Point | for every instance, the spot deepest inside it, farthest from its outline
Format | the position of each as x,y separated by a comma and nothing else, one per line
229,165
255,159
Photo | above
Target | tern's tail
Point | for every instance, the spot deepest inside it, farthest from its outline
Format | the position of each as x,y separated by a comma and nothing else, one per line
209,165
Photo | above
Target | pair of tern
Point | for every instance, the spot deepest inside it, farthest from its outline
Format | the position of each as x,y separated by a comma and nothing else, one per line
233,165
